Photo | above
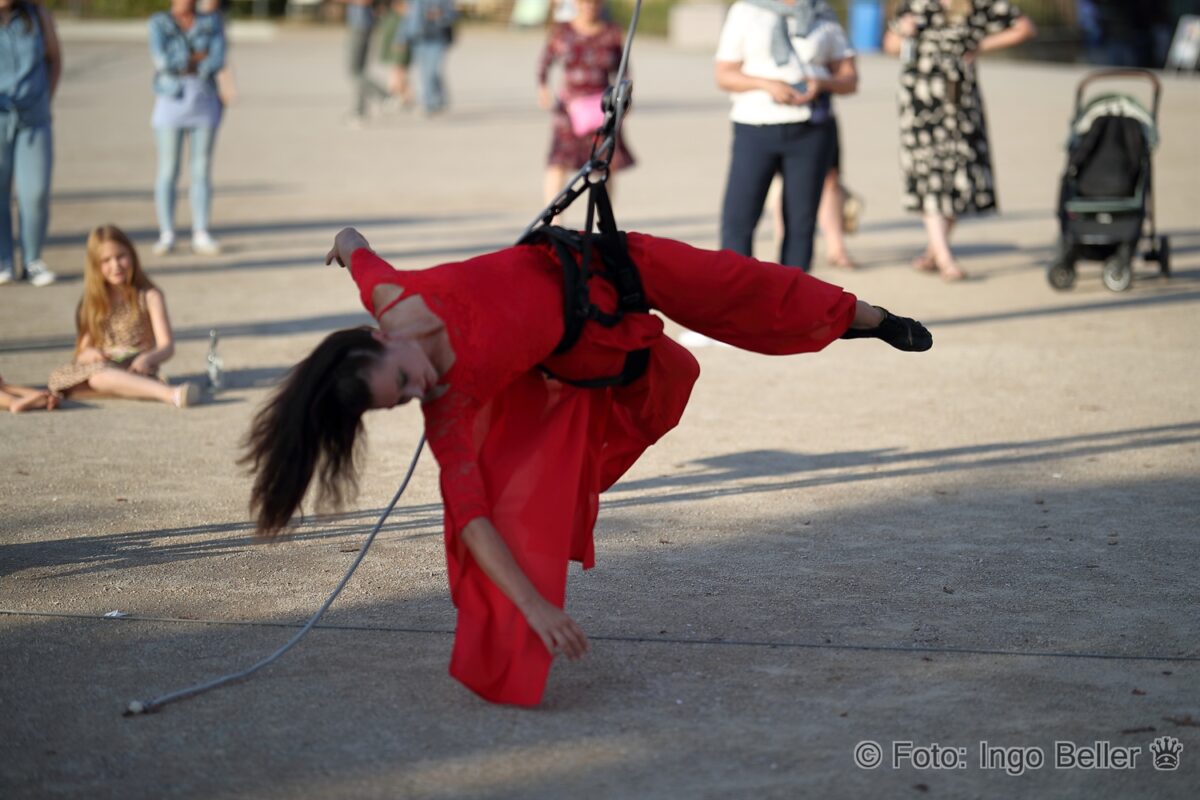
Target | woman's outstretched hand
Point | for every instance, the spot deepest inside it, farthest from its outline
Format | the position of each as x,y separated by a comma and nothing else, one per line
558,631
344,244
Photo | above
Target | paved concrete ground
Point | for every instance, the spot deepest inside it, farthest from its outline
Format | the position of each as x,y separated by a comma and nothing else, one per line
993,541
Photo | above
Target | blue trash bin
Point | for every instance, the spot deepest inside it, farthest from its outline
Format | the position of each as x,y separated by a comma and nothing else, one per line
866,25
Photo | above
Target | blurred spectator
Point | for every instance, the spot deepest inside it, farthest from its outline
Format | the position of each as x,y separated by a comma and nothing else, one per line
360,22
430,29
188,50
395,50
226,85
589,49
944,152
781,60
123,331
832,218
32,64
1132,34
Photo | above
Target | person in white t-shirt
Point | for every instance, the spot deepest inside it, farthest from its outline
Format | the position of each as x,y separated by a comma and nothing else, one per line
780,60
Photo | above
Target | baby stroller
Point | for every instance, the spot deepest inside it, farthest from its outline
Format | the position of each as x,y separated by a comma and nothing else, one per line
1106,200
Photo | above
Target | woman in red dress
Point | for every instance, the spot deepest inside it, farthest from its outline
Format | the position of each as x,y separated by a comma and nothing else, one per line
524,456
589,48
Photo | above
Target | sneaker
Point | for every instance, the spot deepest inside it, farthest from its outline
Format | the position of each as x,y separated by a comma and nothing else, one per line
165,243
187,394
39,274
205,245
6,276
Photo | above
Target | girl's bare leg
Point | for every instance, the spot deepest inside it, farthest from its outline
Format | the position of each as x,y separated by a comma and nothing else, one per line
829,220
25,398
119,383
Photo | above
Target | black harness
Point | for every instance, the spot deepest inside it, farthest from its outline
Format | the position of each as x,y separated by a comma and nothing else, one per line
616,267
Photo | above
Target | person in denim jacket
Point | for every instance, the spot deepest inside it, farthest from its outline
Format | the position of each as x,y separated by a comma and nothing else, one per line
188,50
30,65
430,28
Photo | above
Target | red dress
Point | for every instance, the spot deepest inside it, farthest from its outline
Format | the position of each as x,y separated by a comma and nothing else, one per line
533,454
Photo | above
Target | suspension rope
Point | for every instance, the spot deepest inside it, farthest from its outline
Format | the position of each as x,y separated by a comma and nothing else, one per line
149,706
616,100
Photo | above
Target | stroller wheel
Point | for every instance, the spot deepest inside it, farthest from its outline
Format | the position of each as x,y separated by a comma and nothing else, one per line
1061,275
1118,270
1164,255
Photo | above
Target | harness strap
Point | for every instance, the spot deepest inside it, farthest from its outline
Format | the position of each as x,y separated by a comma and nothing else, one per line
619,270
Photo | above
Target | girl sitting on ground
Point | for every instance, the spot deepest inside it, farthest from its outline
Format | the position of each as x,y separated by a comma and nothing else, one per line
124,334
25,398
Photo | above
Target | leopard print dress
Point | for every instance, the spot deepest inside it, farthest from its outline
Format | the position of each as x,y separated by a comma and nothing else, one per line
126,332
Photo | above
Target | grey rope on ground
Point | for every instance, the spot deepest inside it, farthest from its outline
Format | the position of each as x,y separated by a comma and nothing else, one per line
770,644
148,706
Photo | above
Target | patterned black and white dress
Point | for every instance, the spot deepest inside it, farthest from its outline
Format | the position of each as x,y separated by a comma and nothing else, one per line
944,153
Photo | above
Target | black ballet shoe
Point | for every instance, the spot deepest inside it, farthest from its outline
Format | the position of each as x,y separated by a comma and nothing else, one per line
901,333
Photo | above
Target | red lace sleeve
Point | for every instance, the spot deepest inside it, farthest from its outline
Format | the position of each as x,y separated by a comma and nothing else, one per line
369,271
449,429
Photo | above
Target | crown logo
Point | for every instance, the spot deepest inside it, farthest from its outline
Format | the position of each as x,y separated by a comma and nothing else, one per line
1166,750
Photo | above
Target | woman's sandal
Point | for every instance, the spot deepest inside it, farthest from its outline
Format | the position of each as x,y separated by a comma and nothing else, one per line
952,273
924,263
901,333
842,262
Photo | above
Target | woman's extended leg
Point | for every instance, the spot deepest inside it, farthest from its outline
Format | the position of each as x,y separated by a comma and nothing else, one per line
751,304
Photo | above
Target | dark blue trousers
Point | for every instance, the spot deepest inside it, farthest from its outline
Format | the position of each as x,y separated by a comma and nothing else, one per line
802,153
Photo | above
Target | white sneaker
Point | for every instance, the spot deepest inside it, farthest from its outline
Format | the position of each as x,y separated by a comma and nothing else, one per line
205,245
6,276
165,243
39,274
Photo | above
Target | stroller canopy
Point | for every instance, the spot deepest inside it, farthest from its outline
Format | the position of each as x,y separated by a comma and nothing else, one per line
1112,138
1114,105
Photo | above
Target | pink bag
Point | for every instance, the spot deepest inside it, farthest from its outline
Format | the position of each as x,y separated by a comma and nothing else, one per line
586,113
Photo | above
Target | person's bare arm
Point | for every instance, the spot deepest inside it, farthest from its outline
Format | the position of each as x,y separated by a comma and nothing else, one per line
164,338
730,78
893,38
843,77
557,630
86,351
1022,30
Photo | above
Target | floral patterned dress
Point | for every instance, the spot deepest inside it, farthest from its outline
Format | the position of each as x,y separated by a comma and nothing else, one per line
944,153
588,64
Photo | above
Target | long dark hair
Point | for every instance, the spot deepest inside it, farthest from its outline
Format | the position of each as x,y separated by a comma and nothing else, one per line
311,425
